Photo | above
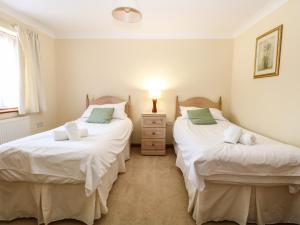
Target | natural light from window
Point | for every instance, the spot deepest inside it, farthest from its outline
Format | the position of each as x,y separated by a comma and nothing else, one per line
9,71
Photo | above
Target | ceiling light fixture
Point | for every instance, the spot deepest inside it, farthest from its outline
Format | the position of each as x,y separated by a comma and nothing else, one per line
127,11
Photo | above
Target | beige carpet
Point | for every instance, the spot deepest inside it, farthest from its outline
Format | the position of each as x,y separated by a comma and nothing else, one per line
151,192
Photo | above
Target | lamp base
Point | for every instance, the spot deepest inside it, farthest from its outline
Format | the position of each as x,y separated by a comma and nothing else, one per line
154,109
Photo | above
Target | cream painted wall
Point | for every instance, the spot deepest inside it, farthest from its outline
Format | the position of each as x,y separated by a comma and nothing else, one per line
47,45
270,106
122,67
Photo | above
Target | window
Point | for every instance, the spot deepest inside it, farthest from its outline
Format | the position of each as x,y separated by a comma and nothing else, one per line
9,72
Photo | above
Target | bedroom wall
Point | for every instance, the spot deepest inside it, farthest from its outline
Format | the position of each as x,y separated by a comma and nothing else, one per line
123,67
46,120
269,106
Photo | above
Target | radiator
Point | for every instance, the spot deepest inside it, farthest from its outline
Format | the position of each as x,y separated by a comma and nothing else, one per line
14,128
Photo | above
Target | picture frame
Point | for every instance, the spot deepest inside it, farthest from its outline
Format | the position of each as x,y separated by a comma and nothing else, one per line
267,53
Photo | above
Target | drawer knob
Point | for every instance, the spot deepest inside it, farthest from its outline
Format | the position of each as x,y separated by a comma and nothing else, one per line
153,144
153,133
153,122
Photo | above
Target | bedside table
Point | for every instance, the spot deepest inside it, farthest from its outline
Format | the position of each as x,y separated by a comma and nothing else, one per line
153,134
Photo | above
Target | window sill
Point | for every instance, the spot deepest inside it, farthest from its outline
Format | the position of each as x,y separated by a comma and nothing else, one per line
10,110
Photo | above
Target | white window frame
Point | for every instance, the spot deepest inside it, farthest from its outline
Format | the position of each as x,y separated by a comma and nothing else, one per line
14,35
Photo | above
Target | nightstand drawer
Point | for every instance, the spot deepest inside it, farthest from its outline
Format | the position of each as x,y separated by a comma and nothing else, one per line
153,144
154,133
157,121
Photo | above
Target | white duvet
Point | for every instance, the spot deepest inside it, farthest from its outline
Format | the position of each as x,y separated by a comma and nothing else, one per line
205,153
38,158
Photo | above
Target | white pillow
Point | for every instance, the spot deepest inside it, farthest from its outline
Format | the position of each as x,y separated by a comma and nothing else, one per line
217,114
119,110
183,111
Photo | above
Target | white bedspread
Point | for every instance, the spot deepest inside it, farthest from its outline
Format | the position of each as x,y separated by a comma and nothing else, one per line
38,158
205,153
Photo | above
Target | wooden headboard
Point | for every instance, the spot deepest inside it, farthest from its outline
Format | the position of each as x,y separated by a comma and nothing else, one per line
200,102
108,100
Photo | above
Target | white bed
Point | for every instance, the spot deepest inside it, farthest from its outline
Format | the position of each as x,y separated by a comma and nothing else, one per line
53,180
240,183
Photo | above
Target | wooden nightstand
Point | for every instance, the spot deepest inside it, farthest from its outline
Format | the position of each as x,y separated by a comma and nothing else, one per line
153,134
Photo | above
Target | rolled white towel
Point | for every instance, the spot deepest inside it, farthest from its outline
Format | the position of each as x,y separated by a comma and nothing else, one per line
84,132
60,135
247,139
232,134
72,131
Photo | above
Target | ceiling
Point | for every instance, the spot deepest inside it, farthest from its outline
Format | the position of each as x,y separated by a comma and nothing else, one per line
161,18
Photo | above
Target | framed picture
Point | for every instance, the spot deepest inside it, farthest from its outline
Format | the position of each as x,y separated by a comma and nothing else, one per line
267,53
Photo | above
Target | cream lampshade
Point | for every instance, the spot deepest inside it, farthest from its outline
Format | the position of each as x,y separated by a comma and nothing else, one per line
154,94
127,11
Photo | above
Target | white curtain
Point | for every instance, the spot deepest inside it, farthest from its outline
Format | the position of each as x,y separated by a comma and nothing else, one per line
31,91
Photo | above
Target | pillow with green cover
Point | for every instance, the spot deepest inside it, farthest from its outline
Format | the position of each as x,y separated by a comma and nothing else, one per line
101,115
201,117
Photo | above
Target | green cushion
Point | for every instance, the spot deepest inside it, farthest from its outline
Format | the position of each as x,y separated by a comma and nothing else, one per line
101,115
201,116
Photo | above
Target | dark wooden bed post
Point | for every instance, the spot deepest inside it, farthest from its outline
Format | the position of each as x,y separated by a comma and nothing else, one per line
87,101
177,107
128,105
220,103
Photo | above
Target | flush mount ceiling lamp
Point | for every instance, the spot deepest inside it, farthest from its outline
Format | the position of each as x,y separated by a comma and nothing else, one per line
127,11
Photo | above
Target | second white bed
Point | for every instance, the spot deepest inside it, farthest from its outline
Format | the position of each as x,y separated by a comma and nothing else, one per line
235,182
